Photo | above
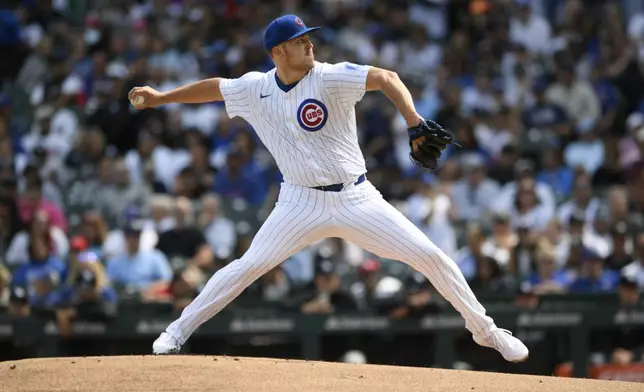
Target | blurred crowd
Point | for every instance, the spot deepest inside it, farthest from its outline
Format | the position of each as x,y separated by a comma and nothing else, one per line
100,203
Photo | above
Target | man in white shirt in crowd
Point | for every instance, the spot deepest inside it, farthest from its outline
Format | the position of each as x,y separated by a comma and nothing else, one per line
474,195
530,29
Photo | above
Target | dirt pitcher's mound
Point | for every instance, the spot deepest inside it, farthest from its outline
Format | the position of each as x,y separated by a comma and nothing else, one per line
230,374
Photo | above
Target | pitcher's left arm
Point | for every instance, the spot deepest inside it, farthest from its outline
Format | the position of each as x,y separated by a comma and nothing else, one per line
379,79
427,139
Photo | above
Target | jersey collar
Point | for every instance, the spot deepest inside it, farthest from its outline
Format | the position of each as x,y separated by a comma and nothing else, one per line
288,87
285,87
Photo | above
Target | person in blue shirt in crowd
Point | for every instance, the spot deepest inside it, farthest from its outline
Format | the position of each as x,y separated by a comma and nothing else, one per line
12,50
608,97
10,33
86,296
548,278
554,173
89,291
233,181
43,289
41,262
593,277
246,143
545,116
86,290
377,138
226,134
143,270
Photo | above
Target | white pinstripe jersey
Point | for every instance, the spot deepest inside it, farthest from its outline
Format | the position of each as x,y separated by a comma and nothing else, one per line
311,129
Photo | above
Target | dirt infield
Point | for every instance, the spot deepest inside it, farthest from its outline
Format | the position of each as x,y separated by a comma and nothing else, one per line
231,374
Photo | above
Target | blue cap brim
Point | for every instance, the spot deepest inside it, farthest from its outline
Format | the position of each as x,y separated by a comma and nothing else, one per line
305,31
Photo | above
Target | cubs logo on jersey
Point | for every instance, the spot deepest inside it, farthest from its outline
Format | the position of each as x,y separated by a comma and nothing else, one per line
312,115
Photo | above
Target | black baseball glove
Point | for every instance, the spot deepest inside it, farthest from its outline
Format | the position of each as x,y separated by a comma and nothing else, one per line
427,141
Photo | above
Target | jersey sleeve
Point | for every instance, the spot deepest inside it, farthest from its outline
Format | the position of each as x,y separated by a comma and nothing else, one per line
236,94
347,81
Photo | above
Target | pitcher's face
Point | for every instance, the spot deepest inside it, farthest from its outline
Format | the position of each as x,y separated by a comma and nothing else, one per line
298,53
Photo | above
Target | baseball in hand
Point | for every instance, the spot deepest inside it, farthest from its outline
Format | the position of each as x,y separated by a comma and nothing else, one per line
138,100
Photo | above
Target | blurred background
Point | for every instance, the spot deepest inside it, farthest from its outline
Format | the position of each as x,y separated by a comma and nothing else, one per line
105,210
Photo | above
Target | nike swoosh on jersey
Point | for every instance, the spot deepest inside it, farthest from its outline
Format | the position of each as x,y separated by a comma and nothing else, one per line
262,96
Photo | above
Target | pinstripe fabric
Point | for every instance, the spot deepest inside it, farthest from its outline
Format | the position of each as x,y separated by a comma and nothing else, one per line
358,214
330,155
301,217
362,216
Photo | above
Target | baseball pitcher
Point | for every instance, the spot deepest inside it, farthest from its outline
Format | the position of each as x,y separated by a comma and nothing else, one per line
303,111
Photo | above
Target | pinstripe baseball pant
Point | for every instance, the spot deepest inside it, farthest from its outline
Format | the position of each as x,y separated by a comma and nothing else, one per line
358,214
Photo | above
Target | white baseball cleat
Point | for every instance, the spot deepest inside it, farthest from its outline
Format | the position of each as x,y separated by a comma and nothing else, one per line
165,344
512,349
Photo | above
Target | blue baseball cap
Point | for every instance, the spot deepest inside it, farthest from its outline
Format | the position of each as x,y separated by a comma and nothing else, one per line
283,29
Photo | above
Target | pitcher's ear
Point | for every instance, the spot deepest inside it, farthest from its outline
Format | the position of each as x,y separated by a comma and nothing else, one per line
278,50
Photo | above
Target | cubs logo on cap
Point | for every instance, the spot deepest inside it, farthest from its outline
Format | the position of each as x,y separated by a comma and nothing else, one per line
312,115
298,21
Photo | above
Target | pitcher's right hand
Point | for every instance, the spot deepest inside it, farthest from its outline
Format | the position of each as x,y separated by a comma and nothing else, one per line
144,97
